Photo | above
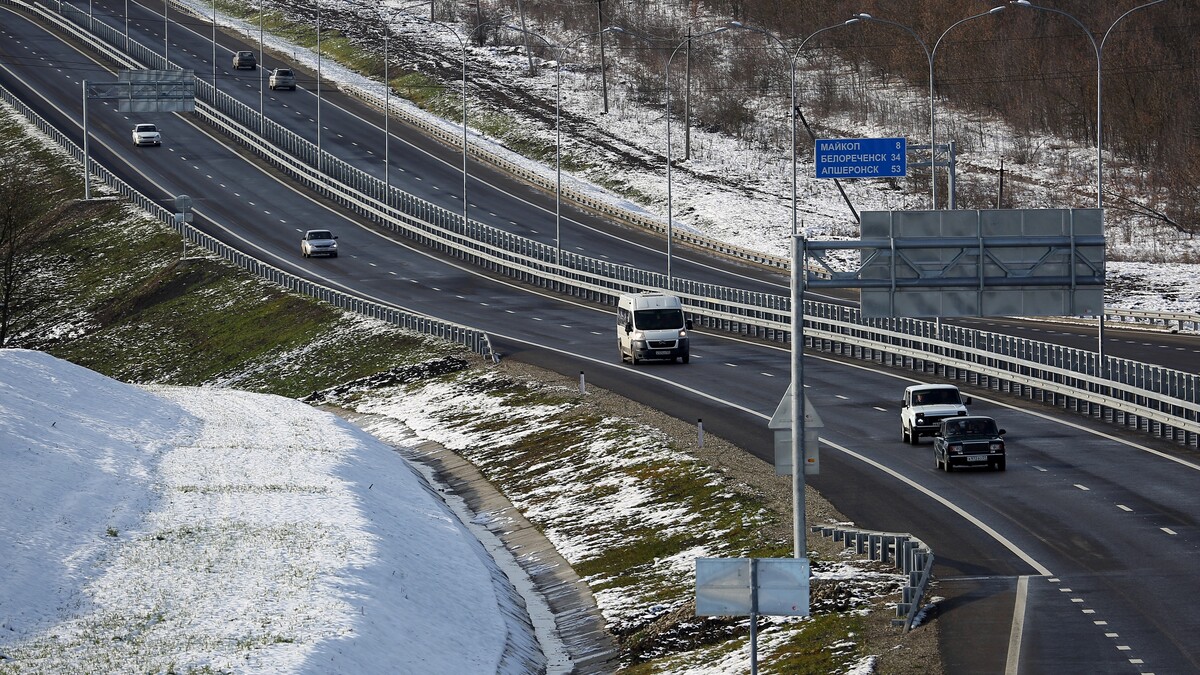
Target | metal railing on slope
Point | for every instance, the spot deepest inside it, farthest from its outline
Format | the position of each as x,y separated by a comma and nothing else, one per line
1128,392
909,555
474,339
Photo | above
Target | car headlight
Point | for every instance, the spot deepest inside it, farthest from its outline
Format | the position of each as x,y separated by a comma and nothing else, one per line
956,448
995,446
920,418
638,335
682,332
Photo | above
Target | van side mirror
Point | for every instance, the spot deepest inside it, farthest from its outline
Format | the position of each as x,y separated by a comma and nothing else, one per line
335,236
1002,432
628,327
903,403
687,323
966,400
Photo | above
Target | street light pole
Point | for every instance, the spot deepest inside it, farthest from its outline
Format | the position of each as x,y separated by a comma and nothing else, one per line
929,60
320,163
667,88
214,45
796,402
559,49
1098,49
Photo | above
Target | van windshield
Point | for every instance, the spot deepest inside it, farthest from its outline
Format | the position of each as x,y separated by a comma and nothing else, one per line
658,319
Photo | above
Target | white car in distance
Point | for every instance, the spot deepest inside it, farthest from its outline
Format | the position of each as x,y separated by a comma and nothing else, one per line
146,134
319,242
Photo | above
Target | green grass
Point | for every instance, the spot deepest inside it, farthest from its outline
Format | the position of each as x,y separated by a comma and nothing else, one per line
114,293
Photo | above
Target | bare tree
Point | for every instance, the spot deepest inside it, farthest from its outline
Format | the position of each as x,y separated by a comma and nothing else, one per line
22,208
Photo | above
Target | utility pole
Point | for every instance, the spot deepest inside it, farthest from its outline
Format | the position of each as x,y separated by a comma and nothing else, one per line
687,99
603,68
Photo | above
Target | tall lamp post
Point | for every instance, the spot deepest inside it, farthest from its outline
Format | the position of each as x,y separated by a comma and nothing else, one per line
558,50
262,120
320,158
667,88
929,59
930,56
1098,49
387,87
796,404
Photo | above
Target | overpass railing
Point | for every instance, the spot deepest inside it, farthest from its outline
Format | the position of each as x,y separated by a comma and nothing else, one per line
1144,396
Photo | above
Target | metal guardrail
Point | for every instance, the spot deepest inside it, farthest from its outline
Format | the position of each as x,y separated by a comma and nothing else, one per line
909,555
474,339
1156,399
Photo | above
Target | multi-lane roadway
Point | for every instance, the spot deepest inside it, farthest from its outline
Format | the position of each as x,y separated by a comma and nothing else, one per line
1078,558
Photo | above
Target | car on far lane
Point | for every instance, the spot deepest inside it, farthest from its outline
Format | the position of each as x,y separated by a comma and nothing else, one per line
319,242
972,440
244,59
146,134
282,78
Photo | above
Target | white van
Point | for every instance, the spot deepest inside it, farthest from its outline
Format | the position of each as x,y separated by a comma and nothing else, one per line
651,326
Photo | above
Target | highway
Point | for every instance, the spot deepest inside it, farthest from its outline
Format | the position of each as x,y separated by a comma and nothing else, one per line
1078,558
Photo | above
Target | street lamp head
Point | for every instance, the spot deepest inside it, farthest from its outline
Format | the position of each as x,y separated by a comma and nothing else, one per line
864,16
996,10
850,21
1024,3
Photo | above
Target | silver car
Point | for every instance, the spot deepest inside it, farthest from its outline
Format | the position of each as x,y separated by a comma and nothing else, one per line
319,242
146,134
282,78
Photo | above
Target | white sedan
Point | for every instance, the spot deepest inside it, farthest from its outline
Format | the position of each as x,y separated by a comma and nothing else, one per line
319,242
146,134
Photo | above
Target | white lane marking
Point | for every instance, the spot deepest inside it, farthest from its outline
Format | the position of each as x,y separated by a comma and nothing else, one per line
1018,627
1040,469
1015,409
1124,508
1003,541
731,365
879,409
1089,611
1083,487
1168,530
841,397
768,374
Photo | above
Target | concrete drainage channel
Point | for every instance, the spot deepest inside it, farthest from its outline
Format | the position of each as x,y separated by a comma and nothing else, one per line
909,554
569,626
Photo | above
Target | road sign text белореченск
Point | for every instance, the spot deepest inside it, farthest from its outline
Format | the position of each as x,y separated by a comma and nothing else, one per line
861,157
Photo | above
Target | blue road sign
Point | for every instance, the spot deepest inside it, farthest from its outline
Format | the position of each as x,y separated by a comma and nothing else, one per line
861,157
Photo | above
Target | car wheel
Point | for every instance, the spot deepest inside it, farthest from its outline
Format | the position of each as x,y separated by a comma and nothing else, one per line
946,465
904,434
333,255
1000,464
633,359
621,353
685,358
937,463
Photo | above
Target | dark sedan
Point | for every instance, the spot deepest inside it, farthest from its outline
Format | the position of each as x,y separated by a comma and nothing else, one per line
968,441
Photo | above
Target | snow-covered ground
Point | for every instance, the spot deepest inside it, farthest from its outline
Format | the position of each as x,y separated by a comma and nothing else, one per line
739,191
169,529
166,529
